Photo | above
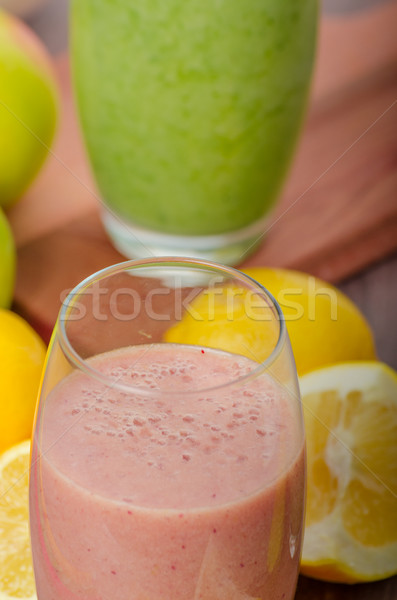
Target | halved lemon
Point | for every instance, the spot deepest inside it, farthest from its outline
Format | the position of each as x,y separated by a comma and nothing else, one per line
16,570
351,431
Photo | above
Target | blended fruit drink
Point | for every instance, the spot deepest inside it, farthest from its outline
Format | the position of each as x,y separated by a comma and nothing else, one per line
191,109
168,493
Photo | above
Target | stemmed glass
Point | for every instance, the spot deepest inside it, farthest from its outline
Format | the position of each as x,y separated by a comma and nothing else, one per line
168,451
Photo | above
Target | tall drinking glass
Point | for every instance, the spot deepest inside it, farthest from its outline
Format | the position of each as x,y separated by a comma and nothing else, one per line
190,110
166,470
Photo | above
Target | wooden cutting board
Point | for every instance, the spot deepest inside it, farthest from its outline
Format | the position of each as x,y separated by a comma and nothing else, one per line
337,214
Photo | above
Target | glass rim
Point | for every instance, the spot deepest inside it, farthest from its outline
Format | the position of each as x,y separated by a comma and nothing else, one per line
83,365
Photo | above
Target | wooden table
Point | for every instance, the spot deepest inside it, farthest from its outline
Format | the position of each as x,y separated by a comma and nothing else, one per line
339,203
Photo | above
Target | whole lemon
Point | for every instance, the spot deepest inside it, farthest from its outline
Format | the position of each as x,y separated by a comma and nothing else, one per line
22,354
28,107
324,326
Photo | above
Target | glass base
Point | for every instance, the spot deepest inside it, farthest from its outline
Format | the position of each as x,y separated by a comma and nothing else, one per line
227,248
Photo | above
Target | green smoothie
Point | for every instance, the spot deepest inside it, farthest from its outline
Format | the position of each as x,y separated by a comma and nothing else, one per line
191,108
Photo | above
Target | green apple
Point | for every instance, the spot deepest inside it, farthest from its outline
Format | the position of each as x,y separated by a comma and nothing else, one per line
7,262
28,107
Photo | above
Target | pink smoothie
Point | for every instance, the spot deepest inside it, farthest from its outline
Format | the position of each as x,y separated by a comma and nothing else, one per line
166,492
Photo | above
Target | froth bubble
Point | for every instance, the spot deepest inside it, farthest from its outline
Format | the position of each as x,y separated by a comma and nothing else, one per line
188,418
192,440
238,415
242,458
154,419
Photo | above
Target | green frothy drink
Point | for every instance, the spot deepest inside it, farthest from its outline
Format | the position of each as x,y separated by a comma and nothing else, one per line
191,108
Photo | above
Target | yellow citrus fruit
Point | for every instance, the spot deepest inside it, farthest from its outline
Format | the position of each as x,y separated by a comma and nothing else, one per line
324,326
16,570
350,414
22,354
228,318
